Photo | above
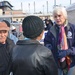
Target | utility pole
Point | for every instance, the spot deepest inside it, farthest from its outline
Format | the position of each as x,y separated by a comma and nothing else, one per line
54,2
47,6
43,9
70,1
29,7
21,6
34,7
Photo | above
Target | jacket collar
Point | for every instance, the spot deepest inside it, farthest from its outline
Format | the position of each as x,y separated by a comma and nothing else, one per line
55,27
22,42
8,42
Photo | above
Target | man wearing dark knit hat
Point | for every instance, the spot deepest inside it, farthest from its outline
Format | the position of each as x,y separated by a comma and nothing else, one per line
29,57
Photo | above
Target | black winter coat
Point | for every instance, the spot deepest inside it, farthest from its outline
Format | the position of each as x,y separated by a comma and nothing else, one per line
31,58
5,61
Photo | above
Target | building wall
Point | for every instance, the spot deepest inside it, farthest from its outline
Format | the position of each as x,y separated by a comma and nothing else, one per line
19,19
18,15
13,12
71,16
0,11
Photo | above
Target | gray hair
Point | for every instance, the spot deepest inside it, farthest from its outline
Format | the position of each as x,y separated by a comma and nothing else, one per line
60,9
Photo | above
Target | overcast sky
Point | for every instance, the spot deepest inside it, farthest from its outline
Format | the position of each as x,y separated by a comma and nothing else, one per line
40,5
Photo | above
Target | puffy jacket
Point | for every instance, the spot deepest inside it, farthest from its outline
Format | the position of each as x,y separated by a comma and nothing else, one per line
31,58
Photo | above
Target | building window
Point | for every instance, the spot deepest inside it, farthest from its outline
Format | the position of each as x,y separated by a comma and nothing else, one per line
16,19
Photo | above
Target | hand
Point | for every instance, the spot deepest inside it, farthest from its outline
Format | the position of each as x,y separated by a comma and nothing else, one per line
61,53
64,53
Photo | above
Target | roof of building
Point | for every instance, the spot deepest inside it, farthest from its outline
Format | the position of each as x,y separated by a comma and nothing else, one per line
5,4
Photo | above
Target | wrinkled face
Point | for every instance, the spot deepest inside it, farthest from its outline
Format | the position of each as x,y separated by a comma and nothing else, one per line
59,18
3,36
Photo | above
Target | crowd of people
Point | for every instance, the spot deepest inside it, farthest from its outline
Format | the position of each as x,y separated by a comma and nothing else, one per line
56,56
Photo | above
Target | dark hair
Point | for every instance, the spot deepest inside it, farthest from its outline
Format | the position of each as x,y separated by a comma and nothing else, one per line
8,24
50,21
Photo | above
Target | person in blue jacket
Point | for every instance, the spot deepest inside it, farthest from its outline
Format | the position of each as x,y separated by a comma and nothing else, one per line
52,37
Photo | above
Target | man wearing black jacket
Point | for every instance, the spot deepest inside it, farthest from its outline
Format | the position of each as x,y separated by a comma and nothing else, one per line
6,46
29,57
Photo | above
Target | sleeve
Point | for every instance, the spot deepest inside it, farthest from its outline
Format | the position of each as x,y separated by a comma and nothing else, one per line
47,40
72,42
49,64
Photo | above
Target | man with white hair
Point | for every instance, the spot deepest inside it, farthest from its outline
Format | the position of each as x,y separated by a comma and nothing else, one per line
60,39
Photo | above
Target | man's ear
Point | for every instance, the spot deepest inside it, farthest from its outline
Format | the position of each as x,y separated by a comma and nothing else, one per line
40,36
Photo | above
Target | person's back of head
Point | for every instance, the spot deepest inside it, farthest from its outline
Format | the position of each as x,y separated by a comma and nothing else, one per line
32,27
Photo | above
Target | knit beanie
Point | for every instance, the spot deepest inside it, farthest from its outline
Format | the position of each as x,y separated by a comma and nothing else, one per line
32,26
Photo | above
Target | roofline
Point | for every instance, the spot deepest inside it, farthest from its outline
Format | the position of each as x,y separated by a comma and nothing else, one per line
7,2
